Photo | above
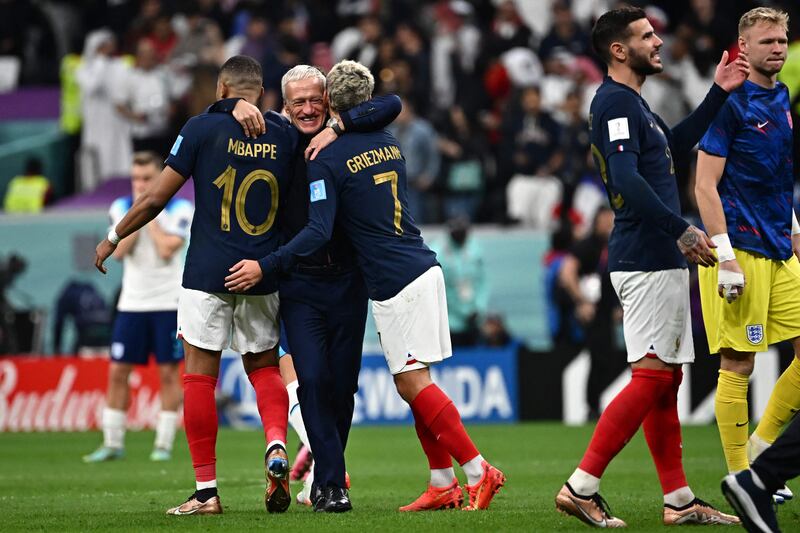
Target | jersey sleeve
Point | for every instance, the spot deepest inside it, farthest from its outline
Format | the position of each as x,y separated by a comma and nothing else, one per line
117,210
620,120
322,207
719,136
372,115
183,154
177,219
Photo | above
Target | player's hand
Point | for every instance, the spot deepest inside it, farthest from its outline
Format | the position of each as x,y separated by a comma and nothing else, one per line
696,247
244,275
101,253
731,76
730,280
250,118
320,141
585,312
796,245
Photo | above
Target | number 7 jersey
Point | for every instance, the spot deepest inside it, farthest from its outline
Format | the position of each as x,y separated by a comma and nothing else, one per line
237,186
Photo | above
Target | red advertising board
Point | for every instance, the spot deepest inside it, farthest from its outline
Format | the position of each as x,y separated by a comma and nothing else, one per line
68,394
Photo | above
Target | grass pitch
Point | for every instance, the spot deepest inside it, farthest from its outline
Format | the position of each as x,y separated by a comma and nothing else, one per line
45,486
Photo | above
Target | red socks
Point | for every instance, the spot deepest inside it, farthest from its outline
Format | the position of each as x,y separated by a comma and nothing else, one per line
438,457
200,421
662,430
435,411
623,416
273,402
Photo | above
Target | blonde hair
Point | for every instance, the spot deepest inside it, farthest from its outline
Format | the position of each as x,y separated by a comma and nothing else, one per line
763,14
349,84
148,157
301,72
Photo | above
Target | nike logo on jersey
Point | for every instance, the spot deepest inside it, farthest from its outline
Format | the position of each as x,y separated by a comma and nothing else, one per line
738,425
761,125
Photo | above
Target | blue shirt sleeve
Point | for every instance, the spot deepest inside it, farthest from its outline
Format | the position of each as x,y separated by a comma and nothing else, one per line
321,215
620,120
689,131
372,115
183,154
720,134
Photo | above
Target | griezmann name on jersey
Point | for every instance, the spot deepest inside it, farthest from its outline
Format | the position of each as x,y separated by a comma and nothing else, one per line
753,131
237,185
621,121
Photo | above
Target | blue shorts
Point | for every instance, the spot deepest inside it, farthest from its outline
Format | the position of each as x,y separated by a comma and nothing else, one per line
139,334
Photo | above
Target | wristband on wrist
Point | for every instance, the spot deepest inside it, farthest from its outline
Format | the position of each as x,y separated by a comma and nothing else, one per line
724,248
795,224
112,237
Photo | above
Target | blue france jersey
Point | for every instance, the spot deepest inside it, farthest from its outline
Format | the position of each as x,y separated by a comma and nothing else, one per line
621,121
359,181
237,184
754,132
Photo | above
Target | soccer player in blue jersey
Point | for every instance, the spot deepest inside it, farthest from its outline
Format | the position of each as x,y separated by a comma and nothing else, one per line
744,191
647,252
323,297
237,183
359,182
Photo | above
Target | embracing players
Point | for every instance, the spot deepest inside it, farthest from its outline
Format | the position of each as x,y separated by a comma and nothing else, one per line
744,192
633,149
360,182
237,184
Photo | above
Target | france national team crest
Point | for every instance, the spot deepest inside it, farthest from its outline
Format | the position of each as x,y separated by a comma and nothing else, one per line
317,189
755,333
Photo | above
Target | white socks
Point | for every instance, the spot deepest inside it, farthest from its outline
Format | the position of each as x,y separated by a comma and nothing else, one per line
295,416
200,485
583,483
113,428
755,447
442,477
473,469
680,497
165,429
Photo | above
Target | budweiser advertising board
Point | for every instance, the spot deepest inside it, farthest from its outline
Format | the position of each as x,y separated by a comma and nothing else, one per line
68,394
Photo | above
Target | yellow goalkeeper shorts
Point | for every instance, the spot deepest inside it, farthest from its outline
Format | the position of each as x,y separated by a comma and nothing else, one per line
767,312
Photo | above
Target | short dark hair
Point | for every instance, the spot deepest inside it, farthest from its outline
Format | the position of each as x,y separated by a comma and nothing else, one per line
614,26
148,157
33,166
242,72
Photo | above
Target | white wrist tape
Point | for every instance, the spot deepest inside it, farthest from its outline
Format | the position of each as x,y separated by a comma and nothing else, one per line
730,282
112,237
795,224
724,248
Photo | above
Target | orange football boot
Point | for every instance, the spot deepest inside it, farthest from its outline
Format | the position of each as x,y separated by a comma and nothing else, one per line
436,498
482,492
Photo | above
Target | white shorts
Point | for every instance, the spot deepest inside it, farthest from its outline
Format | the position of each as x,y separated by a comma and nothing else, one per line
212,321
656,317
412,325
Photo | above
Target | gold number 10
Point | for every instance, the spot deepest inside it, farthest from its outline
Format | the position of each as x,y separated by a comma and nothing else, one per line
226,180
398,208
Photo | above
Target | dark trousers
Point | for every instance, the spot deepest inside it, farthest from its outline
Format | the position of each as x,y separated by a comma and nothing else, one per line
781,461
324,318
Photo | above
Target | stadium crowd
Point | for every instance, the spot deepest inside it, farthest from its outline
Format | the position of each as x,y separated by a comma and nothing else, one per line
495,92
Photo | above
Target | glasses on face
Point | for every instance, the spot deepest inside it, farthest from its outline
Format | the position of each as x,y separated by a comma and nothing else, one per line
301,102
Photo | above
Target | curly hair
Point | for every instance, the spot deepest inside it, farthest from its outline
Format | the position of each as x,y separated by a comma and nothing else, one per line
349,84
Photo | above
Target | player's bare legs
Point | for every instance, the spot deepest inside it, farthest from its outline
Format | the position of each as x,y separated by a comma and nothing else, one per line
273,406
114,415
442,435
171,395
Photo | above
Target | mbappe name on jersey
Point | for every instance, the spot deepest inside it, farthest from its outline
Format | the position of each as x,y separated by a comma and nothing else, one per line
246,149
373,157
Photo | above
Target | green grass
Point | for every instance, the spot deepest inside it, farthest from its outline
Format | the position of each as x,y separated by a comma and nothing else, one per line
44,485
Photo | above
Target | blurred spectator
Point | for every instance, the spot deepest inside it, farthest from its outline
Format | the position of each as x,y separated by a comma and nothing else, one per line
575,145
494,332
28,193
507,30
256,40
413,49
200,42
465,282
359,43
532,151
584,277
162,37
565,330
27,35
464,149
81,302
418,141
144,99
141,25
712,31
454,52
565,35
105,137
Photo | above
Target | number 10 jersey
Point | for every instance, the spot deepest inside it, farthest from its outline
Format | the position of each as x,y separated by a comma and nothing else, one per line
237,186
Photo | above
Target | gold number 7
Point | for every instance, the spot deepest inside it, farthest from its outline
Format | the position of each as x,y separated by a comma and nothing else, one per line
392,177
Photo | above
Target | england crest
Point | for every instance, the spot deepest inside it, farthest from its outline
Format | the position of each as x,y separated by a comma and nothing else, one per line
755,333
